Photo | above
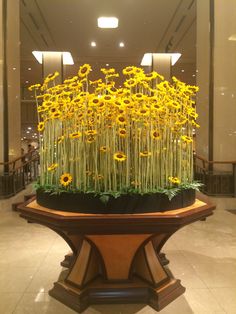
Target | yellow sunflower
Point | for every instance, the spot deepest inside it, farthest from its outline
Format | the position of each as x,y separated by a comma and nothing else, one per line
122,132
128,70
126,101
75,135
107,71
60,139
84,70
104,149
130,83
91,132
156,135
108,98
151,76
121,119
94,101
174,180
34,87
41,126
145,154
52,167
65,179
186,139
56,115
119,156
90,139
143,112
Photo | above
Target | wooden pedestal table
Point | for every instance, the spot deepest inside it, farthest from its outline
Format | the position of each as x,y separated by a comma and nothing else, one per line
116,258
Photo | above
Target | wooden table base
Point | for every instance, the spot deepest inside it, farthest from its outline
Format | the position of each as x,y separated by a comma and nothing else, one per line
117,269
116,258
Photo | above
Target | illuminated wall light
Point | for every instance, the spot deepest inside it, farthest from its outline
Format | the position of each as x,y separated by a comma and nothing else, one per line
29,69
182,70
232,37
29,128
66,56
121,44
26,82
27,132
193,75
93,44
13,69
107,64
147,58
108,22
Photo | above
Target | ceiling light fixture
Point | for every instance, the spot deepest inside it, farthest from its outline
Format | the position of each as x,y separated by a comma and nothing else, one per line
121,44
232,37
108,22
93,44
66,56
147,58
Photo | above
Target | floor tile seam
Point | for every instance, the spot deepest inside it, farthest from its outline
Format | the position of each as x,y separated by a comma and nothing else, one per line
217,301
196,274
30,281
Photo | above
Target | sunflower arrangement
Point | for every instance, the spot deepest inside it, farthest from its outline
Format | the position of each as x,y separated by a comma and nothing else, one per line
96,137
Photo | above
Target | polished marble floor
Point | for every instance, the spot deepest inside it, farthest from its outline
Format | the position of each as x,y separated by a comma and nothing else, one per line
202,255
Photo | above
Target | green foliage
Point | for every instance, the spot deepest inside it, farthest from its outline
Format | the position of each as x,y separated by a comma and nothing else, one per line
170,192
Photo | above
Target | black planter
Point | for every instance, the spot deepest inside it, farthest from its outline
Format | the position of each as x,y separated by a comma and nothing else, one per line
124,204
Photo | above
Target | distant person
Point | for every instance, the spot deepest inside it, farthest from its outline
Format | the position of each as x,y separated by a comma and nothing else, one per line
22,154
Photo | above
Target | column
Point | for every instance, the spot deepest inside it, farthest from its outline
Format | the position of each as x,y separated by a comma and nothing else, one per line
161,63
52,61
10,114
216,64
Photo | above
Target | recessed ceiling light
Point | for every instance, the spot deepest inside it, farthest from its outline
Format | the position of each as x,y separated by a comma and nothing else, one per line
93,44
108,22
66,56
121,44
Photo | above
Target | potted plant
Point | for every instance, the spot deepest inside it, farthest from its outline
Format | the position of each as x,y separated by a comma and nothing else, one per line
105,149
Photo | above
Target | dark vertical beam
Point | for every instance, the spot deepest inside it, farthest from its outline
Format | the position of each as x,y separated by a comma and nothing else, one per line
62,69
5,86
211,82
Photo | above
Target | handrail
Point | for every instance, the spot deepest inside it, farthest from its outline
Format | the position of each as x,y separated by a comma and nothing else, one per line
16,175
214,161
19,158
217,180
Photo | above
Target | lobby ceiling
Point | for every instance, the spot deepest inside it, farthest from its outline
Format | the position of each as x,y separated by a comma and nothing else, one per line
144,26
